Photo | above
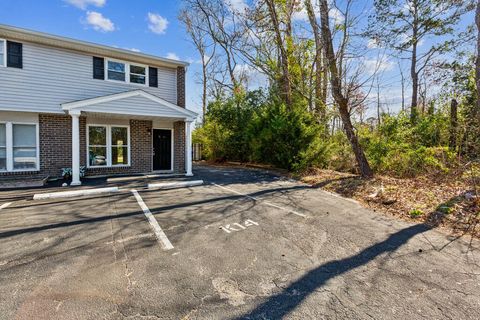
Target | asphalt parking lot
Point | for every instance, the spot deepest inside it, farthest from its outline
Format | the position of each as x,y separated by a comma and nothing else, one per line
245,245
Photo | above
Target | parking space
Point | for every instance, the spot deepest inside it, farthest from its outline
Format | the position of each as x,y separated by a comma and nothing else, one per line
247,244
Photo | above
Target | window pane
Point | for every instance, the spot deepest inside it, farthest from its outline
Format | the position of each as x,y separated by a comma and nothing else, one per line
137,79
119,136
119,155
3,158
137,69
97,136
97,156
24,158
116,66
112,75
24,135
3,135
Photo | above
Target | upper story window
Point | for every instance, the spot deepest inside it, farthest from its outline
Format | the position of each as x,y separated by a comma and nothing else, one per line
138,74
116,70
3,53
126,72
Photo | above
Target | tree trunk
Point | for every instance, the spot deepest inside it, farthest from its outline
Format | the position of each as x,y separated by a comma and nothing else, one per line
285,81
477,62
379,114
453,124
204,89
340,99
320,103
413,69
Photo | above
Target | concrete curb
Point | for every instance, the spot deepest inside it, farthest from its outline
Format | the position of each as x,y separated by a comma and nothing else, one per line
74,193
174,185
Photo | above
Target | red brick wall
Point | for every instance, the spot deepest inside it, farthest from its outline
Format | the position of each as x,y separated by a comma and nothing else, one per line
56,151
179,147
181,86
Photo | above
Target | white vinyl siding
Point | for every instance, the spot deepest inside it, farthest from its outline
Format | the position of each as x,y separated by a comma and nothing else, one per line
52,76
136,104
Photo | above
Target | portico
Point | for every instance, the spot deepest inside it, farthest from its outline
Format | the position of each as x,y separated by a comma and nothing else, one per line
119,134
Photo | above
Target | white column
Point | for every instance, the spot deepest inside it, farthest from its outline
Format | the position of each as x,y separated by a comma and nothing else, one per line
75,149
188,148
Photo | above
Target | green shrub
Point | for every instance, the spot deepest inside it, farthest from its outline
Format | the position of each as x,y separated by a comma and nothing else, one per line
414,213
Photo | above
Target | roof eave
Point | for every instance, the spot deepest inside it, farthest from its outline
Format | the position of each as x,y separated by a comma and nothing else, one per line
84,46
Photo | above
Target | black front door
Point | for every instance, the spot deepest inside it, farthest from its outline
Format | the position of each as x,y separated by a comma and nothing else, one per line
162,149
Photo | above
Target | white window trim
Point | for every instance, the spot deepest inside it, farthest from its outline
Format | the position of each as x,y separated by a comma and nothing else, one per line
172,147
4,52
109,145
127,72
9,146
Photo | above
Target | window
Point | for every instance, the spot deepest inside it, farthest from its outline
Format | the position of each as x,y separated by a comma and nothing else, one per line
119,146
97,149
137,74
18,147
3,146
3,53
108,146
126,72
116,71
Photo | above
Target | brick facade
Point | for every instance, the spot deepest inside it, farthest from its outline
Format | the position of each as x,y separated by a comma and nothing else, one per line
179,146
56,148
181,87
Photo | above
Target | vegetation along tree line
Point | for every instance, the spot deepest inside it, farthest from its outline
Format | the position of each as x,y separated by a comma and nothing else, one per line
382,86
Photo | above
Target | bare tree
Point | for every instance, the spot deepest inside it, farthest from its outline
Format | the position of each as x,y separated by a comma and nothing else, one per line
320,72
337,91
200,40
404,24
477,62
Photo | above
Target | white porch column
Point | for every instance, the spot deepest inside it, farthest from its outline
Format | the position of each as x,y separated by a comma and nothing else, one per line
75,148
188,148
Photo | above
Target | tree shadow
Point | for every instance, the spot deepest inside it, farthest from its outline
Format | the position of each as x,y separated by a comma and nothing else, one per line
346,186
281,304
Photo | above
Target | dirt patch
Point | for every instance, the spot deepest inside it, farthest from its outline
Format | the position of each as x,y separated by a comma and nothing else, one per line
450,201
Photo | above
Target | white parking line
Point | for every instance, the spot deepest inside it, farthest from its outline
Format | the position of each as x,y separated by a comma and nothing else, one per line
3,206
264,202
161,236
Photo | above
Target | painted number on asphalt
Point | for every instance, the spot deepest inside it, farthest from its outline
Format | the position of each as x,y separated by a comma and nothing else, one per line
229,228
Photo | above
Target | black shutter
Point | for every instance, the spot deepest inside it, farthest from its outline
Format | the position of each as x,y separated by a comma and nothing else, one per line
14,55
152,77
98,68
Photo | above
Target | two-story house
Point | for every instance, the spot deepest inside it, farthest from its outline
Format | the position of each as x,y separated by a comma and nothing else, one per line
66,103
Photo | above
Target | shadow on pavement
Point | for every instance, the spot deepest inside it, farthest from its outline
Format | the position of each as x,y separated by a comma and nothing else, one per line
279,305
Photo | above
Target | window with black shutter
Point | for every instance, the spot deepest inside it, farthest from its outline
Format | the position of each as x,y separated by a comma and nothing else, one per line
98,68
14,55
152,77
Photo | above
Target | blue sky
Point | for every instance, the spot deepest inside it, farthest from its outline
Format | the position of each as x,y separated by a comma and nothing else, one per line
151,26
138,25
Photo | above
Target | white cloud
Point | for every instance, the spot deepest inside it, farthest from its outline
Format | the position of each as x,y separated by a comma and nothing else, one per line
133,49
99,22
372,44
378,65
172,55
157,23
83,4
238,6
302,14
